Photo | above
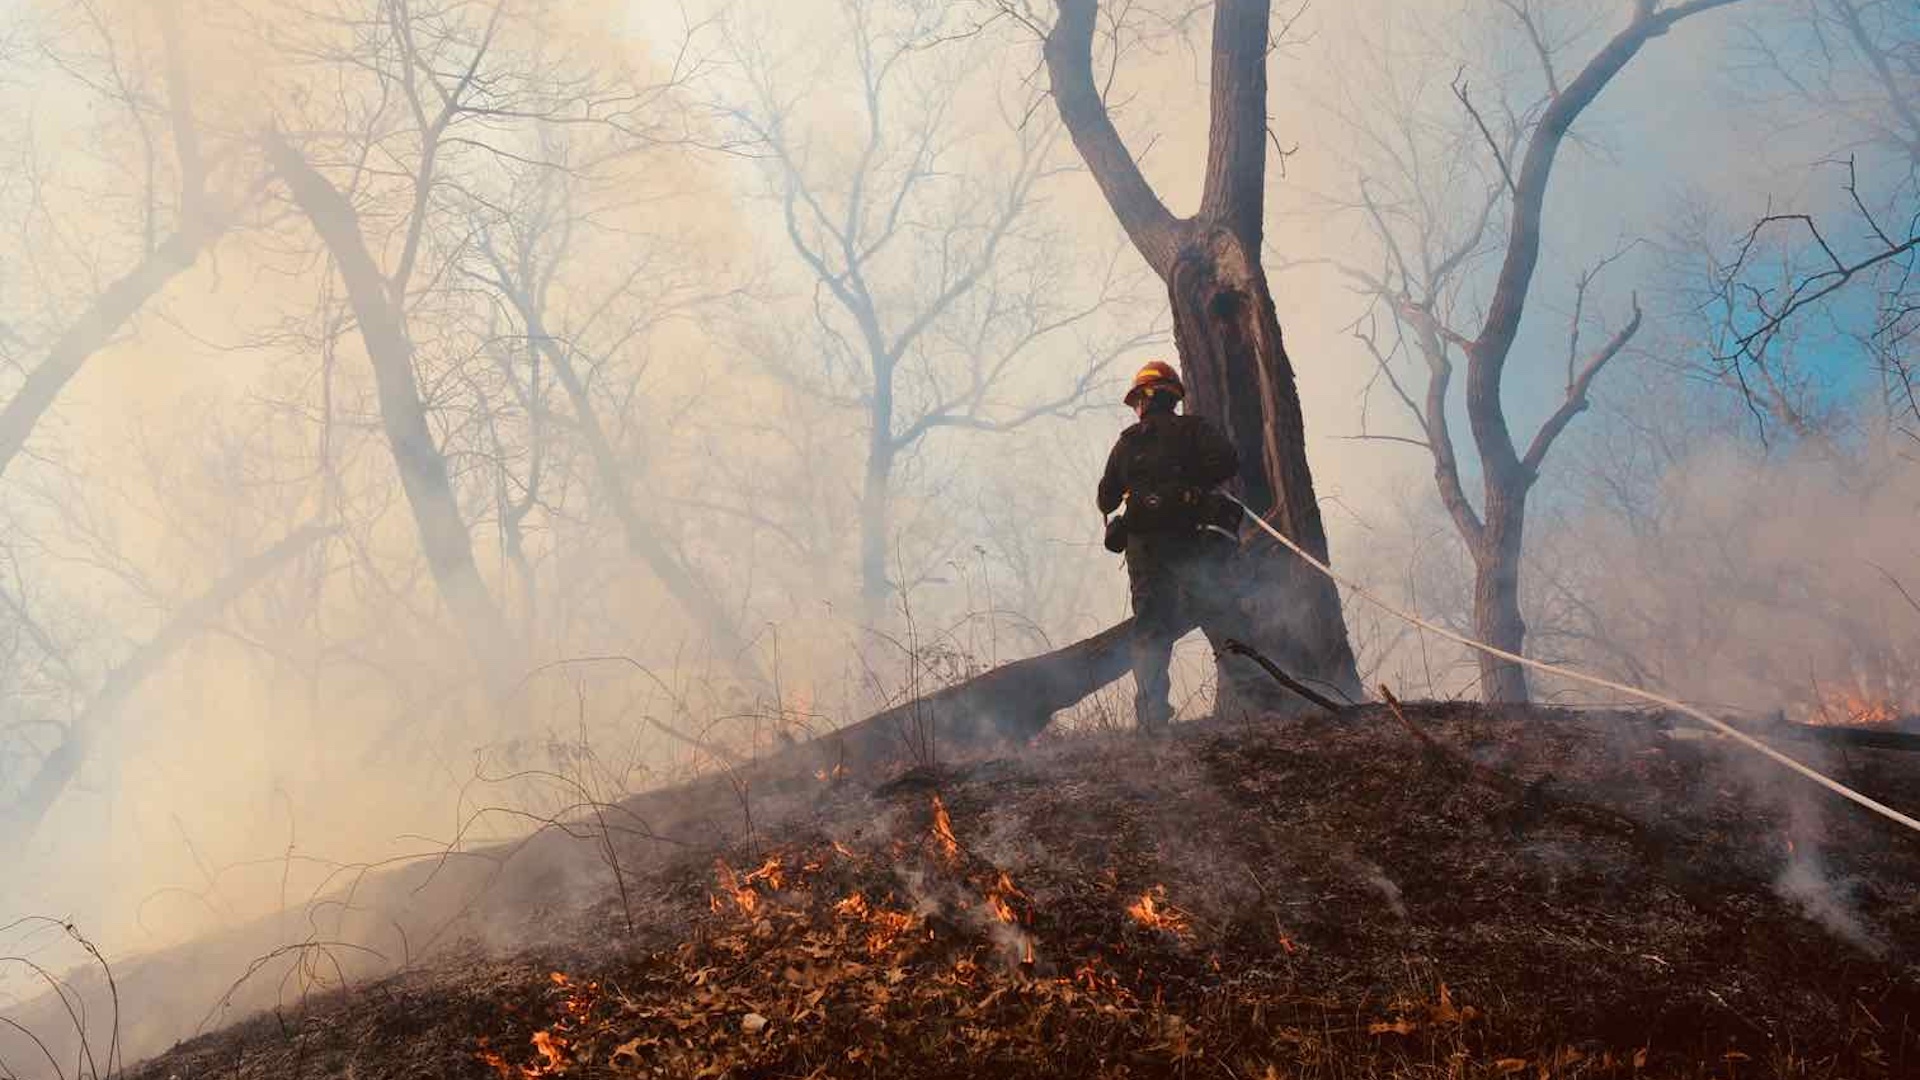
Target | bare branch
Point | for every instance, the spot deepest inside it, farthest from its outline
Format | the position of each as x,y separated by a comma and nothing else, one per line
1575,402
1069,55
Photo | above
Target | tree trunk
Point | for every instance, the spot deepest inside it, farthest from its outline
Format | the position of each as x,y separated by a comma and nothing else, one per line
117,304
89,334
403,415
18,821
1509,474
1226,329
643,542
1238,373
1496,597
875,523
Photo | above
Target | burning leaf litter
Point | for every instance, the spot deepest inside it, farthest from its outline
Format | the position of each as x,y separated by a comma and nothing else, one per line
1153,912
1219,919
924,957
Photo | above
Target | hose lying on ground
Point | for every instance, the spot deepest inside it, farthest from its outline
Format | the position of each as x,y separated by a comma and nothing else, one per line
1684,709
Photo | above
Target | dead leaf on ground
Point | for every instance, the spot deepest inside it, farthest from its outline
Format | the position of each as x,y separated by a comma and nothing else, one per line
1398,1027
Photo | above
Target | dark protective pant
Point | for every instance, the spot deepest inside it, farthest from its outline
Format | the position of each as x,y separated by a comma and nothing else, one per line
1178,581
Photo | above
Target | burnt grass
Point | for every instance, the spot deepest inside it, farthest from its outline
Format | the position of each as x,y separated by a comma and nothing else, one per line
1538,893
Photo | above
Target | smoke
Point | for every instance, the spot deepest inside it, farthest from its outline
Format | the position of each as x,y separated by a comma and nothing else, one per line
1756,582
1821,895
1806,882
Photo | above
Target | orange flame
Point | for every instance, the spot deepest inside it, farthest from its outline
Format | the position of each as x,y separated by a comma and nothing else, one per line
943,830
883,927
553,1053
580,997
1851,708
552,1044
999,893
887,928
743,895
770,872
1152,911
494,1061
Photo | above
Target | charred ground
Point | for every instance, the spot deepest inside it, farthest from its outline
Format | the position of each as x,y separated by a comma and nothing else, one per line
1330,897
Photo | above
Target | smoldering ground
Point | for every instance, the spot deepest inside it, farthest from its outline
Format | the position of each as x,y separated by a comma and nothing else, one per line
1612,908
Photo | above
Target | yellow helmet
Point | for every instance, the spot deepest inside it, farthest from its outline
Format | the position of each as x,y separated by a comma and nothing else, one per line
1155,375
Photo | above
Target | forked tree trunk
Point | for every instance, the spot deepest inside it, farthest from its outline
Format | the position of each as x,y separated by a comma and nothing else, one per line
424,477
1238,373
1227,331
1494,536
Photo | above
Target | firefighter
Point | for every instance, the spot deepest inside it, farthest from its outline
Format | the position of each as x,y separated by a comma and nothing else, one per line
1178,533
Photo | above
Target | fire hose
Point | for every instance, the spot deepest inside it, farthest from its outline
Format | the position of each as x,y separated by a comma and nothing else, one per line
1680,707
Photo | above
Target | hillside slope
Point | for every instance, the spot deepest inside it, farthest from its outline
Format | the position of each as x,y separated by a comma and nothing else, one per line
1533,893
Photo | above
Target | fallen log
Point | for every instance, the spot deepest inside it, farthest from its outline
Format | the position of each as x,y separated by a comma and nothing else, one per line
1875,738
1012,703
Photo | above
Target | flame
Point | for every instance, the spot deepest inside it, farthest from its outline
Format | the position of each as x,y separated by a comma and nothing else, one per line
887,928
1092,980
553,1053
580,998
943,830
1852,708
999,893
883,927
552,1044
770,872
492,1060
743,895
1152,911
999,908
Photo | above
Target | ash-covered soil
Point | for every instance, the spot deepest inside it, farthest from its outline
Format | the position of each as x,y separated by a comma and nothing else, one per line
1544,894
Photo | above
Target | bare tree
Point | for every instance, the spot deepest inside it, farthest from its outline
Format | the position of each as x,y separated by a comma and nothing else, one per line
1224,319
170,244
523,252
21,815
934,282
390,181
1424,282
423,469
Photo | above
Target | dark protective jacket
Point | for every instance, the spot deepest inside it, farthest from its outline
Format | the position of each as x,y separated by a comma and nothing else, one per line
1165,468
